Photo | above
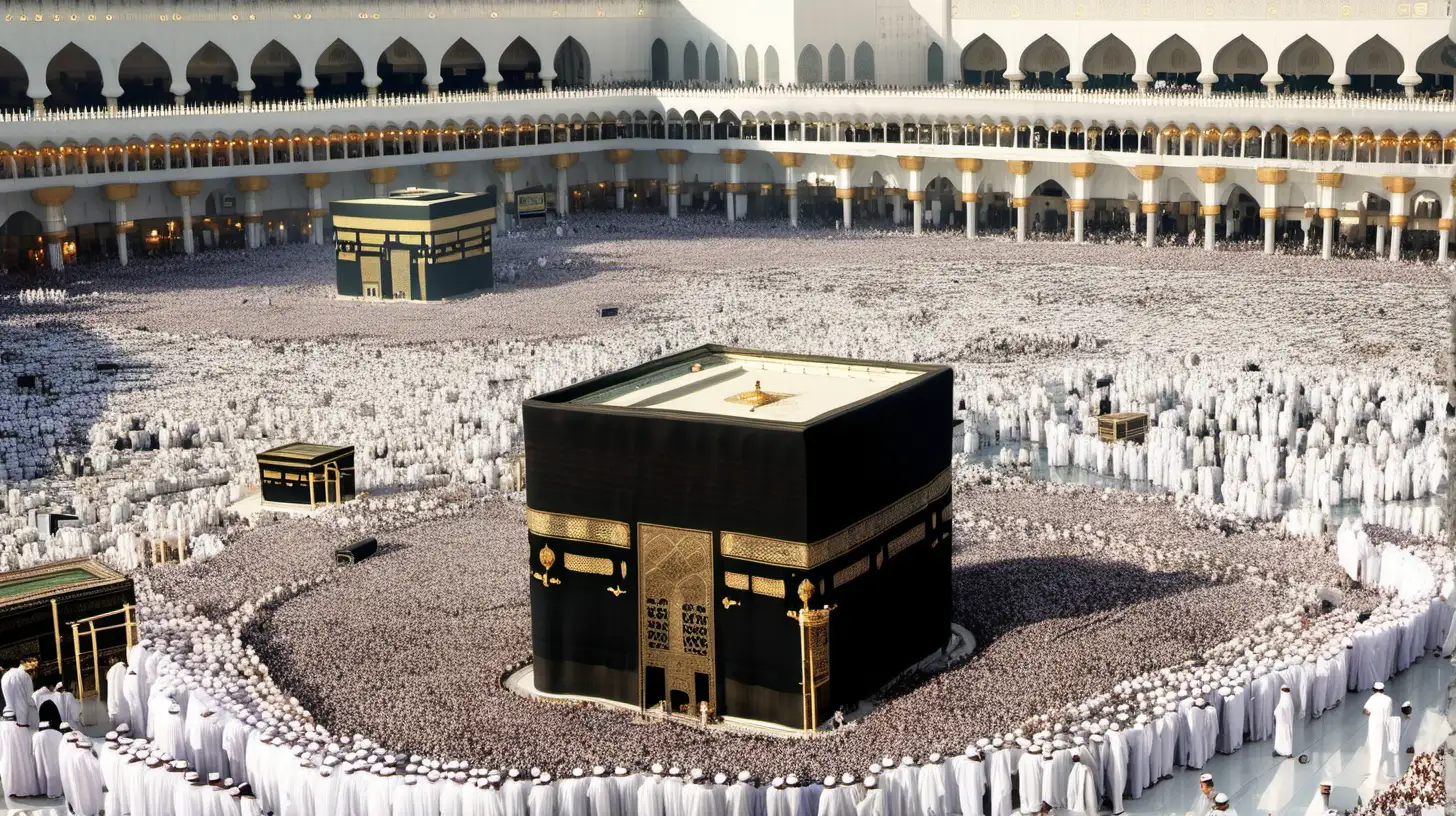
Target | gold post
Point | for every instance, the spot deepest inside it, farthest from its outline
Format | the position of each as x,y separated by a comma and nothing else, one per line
805,676
80,678
56,627
95,660
130,628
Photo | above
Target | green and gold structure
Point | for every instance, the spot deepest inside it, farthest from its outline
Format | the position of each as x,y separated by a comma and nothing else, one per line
304,475
765,533
414,244
39,605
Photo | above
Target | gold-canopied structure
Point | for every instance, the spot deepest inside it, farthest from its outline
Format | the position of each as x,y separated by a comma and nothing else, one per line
739,534
305,475
414,244
38,606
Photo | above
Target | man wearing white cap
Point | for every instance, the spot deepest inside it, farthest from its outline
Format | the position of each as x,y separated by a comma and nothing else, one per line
649,794
1284,724
1115,771
970,776
931,787
601,793
871,805
1221,805
1081,788
1028,781
1205,800
1378,709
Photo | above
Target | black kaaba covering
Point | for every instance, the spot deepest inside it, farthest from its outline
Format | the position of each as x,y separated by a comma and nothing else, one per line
304,474
669,548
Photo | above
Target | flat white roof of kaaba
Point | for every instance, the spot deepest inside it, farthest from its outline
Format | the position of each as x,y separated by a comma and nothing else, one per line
746,384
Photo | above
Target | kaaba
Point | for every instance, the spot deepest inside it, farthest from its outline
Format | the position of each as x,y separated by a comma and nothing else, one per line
37,605
301,474
415,244
767,534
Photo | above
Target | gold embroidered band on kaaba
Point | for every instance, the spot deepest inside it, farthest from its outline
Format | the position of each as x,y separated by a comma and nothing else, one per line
800,555
579,528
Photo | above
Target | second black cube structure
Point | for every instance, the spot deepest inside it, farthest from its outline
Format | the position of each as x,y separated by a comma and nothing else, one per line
414,244
740,533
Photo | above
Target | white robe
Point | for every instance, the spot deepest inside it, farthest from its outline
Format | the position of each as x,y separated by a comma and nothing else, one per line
136,706
115,698
1116,771
1001,768
1378,706
542,800
970,777
649,797
1028,783
17,760
47,747
19,692
1284,725
401,800
1081,790
84,787
602,796
1393,727
931,782
871,804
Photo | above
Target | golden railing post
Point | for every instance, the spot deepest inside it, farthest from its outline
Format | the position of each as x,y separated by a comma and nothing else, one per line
95,660
76,645
130,629
56,627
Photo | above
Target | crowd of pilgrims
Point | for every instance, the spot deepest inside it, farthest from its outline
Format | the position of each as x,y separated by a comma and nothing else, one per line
194,684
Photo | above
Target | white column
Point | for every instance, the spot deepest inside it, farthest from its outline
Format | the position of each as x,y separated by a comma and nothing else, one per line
735,173
1379,239
1210,216
791,196
252,227
1150,196
1443,248
1327,237
55,224
674,188
316,203
1398,215
898,207
846,205
918,203
381,191
1018,198
1271,201
120,219
1132,214
968,196
621,185
1079,215
188,246
563,201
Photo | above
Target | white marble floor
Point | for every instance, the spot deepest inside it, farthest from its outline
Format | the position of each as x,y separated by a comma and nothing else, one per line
1259,783
1256,781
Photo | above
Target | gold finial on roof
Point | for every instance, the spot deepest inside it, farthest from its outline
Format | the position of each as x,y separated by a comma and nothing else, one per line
756,398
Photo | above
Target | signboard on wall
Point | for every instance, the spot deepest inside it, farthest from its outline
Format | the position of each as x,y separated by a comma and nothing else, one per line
530,205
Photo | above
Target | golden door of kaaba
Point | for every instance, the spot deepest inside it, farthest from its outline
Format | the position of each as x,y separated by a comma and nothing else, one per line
675,641
399,270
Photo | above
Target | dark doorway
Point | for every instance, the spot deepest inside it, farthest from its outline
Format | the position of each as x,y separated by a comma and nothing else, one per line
678,702
654,686
701,692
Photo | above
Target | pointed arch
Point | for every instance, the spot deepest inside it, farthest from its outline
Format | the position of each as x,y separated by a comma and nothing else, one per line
730,64
401,68
983,63
1110,64
572,65
811,66
659,61
275,73
1175,61
836,65
145,77
934,65
1437,66
711,70
1374,66
1045,64
14,82
212,75
864,64
750,65
1239,65
339,71
770,66
74,79
1306,65
462,68
519,66
690,62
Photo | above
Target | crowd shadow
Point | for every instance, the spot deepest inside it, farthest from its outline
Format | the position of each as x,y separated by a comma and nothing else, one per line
997,597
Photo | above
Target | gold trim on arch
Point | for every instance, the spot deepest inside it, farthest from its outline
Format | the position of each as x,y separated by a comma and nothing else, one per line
579,528
801,555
